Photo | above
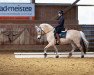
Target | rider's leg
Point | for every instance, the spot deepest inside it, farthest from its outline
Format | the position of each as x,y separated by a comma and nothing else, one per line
57,38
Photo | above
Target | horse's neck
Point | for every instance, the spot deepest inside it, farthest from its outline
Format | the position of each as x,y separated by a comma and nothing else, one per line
50,35
50,31
47,30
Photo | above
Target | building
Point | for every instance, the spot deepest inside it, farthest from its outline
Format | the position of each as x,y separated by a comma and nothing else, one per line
19,29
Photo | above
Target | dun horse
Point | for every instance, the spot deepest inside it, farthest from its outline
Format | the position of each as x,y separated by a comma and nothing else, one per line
76,38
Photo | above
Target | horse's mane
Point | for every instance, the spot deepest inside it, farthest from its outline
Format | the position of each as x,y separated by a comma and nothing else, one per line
46,25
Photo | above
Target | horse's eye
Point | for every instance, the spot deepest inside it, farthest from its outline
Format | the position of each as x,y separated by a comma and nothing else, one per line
39,30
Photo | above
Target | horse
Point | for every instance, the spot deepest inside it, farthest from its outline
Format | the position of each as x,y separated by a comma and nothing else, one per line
76,38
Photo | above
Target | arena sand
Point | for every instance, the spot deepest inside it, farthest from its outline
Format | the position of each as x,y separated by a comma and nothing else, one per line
9,65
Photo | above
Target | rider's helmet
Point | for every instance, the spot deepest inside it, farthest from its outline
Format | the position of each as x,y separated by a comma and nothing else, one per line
61,12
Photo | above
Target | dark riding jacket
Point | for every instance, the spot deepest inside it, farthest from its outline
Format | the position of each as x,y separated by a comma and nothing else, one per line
60,26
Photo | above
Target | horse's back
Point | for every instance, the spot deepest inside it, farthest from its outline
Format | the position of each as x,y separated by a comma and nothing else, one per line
73,34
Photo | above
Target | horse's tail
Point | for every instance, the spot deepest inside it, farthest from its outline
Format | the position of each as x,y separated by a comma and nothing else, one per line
84,42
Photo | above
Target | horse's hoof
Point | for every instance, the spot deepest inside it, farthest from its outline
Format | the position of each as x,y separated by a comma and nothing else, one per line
70,54
45,55
82,56
57,56
85,53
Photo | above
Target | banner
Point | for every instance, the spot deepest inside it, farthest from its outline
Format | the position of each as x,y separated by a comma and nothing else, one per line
17,9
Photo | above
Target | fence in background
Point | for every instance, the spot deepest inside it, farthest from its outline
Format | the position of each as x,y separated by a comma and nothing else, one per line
19,36
89,32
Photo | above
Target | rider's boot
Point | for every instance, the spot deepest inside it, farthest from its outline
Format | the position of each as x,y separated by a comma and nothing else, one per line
58,39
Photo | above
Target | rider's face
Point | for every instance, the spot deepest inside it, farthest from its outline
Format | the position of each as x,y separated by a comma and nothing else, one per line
59,14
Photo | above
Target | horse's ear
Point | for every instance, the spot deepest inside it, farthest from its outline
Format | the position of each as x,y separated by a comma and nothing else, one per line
36,27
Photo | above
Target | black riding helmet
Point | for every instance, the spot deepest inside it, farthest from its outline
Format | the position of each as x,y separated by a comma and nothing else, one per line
61,12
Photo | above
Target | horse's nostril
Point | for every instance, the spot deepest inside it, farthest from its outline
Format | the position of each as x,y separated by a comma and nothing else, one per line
38,38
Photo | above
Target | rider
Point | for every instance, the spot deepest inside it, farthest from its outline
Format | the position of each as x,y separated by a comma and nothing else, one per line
60,26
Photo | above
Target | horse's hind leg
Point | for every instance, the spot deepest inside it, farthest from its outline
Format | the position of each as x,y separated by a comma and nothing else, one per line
81,49
73,48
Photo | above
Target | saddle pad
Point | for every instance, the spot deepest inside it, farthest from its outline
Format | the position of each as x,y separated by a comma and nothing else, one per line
63,34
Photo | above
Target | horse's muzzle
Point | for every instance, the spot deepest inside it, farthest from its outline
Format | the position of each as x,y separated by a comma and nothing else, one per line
39,37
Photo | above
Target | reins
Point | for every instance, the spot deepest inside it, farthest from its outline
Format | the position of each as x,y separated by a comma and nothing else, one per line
45,32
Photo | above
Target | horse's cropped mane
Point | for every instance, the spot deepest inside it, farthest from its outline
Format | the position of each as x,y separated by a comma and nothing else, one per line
46,24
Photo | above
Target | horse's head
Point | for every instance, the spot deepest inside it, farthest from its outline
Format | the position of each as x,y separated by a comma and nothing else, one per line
39,32
43,29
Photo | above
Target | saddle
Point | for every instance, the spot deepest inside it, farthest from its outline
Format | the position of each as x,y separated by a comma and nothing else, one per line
62,34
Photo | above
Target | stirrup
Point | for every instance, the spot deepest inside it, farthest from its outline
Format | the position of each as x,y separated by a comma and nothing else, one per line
57,43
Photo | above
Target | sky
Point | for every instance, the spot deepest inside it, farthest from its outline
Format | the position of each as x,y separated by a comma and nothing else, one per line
85,13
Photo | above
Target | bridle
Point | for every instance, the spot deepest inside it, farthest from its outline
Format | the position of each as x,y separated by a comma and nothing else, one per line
44,33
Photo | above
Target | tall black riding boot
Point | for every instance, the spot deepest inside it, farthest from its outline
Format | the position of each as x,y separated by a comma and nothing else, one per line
58,39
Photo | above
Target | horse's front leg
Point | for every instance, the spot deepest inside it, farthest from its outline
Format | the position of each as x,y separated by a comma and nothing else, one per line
45,54
57,56
45,49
